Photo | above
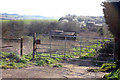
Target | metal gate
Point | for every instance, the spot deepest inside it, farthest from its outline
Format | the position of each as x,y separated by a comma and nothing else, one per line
99,49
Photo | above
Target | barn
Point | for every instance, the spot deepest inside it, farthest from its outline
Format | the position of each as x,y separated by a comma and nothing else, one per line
59,34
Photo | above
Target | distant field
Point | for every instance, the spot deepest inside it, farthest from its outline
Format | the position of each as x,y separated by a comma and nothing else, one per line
4,20
28,21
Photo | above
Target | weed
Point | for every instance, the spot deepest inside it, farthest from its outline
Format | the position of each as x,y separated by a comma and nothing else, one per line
114,75
11,60
57,65
106,67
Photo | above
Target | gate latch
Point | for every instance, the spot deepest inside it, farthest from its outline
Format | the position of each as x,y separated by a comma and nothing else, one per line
38,41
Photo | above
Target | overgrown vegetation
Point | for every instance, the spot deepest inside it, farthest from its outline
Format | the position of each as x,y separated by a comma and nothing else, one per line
11,60
57,65
106,67
114,75
91,50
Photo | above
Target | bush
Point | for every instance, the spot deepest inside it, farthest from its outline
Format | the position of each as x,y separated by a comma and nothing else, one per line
41,27
107,47
13,29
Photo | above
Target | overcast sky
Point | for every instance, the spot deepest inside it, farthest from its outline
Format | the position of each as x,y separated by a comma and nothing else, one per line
52,8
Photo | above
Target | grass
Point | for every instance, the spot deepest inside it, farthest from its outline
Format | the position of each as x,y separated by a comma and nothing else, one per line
106,67
91,50
45,60
27,21
84,51
57,65
4,21
11,60
41,20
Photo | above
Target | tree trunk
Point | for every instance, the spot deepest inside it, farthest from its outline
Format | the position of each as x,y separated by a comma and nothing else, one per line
118,53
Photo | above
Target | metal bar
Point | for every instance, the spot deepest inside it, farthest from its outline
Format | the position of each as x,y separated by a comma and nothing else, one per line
45,44
102,61
55,57
44,56
83,37
41,48
43,52
48,53
68,48
51,56
105,58
52,45
106,53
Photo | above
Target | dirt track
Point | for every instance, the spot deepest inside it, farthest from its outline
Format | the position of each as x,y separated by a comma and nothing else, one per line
71,69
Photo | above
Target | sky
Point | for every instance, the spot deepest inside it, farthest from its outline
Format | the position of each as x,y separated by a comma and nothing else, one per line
52,8
113,0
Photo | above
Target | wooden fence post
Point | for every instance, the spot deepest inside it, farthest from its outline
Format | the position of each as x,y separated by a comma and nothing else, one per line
21,47
34,45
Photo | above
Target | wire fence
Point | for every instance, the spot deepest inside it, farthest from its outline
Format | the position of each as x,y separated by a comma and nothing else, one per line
100,49
12,45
